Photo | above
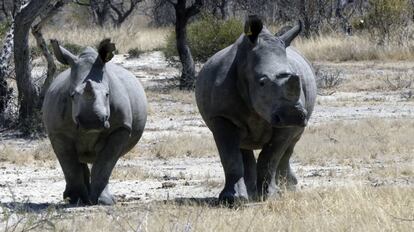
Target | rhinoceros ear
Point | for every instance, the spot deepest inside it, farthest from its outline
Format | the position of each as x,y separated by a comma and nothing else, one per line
62,55
288,36
106,50
253,27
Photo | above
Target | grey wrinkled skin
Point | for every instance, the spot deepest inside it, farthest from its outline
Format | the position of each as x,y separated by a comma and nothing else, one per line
94,113
256,94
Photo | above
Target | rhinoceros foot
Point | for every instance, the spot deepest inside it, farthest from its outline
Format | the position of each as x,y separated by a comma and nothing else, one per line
234,194
76,195
106,198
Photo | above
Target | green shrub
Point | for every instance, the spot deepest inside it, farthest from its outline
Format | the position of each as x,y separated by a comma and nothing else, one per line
206,37
74,48
4,27
387,20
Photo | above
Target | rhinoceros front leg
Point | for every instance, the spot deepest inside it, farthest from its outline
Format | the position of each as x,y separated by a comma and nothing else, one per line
285,174
103,165
227,138
250,174
268,162
76,173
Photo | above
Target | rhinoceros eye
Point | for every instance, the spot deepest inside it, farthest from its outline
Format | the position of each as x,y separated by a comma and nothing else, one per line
263,80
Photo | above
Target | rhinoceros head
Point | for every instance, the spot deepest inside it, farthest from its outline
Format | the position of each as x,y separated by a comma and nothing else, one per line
89,85
273,89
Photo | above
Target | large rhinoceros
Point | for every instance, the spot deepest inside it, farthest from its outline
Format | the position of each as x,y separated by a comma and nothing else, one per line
258,93
94,112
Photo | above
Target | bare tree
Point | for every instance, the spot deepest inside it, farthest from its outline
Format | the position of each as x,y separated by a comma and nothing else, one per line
52,10
219,8
184,10
28,93
161,13
103,10
122,10
100,9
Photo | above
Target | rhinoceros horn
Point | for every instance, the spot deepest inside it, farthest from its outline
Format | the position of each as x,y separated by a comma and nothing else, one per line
88,87
291,34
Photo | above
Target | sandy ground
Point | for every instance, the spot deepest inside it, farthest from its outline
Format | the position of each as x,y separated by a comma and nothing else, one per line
193,177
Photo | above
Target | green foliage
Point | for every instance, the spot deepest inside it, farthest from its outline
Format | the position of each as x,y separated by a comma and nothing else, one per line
387,19
73,48
4,27
206,37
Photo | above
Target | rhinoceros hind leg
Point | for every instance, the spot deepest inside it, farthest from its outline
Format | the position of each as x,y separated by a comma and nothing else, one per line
250,173
227,138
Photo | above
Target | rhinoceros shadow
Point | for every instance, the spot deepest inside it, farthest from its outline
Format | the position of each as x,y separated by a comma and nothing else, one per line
29,207
214,203
192,201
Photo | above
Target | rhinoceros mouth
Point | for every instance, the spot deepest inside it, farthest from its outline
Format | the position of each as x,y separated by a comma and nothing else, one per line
285,124
289,117
92,125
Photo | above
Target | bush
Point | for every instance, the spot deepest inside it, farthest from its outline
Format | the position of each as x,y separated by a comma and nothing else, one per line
135,52
387,20
206,37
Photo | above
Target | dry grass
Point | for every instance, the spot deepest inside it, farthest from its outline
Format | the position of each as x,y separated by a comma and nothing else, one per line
129,173
171,95
40,152
125,37
327,47
354,208
350,48
365,140
378,83
173,145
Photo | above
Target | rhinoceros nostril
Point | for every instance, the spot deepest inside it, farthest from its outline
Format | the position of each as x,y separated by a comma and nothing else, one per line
276,118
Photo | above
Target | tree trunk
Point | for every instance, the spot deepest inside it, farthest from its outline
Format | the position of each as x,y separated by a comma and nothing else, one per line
5,91
51,66
305,18
187,78
223,9
29,110
101,11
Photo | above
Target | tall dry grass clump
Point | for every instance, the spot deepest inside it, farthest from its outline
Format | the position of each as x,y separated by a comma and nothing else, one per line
126,37
365,140
339,48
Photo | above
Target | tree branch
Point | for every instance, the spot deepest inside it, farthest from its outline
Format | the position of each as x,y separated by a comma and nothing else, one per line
171,2
81,3
193,9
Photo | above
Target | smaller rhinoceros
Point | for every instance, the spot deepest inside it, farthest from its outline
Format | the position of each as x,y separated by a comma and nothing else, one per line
94,112
258,93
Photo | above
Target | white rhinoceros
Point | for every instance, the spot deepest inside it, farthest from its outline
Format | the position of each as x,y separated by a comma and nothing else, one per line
258,93
94,112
